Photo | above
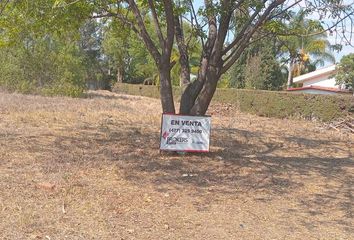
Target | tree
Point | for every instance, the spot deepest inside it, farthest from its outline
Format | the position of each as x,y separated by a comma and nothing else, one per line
96,64
40,51
345,71
43,64
303,49
128,58
258,67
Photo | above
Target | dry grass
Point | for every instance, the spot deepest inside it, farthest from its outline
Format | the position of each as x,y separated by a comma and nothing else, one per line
91,169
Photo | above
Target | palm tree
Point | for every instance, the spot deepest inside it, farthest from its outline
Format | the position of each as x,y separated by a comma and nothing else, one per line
306,46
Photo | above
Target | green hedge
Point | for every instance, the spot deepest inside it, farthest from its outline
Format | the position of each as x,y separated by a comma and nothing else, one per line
266,103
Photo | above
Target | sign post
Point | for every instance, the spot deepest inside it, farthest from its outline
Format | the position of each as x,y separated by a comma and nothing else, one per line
185,133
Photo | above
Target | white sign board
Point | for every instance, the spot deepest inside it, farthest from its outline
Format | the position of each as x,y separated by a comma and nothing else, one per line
185,133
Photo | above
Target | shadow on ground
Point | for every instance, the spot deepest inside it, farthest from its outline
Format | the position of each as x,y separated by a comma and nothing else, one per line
242,164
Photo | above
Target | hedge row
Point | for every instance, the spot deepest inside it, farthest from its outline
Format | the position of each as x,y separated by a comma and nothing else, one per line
267,103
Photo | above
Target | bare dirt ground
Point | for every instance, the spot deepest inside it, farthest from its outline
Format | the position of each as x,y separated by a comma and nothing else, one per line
91,169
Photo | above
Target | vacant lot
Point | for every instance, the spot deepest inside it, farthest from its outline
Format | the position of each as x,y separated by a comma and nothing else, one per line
91,169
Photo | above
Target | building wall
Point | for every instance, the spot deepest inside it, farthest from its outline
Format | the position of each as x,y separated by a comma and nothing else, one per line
316,91
321,81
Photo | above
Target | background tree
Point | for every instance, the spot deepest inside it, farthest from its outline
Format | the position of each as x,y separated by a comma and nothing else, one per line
345,71
304,45
258,67
128,58
44,64
38,55
95,63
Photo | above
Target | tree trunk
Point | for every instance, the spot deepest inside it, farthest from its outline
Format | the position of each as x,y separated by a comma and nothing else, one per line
206,94
188,97
183,52
120,74
166,89
290,74
197,96
192,90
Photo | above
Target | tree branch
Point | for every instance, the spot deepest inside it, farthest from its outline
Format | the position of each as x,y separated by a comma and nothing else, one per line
286,9
168,5
156,23
240,35
200,29
207,49
224,24
2,8
183,50
237,51
120,17
144,33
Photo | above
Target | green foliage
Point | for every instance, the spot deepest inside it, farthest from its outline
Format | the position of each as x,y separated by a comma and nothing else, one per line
274,26
37,18
303,42
345,71
258,68
95,63
39,48
225,80
237,79
261,65
44,67
288,105
126,53
267,103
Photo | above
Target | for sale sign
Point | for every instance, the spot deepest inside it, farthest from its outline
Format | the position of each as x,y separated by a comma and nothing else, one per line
185,133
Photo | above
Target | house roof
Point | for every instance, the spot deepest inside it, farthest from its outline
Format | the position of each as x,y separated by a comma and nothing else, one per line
314,74
328,89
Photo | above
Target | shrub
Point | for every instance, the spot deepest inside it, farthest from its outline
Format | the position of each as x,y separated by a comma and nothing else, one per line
266,103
